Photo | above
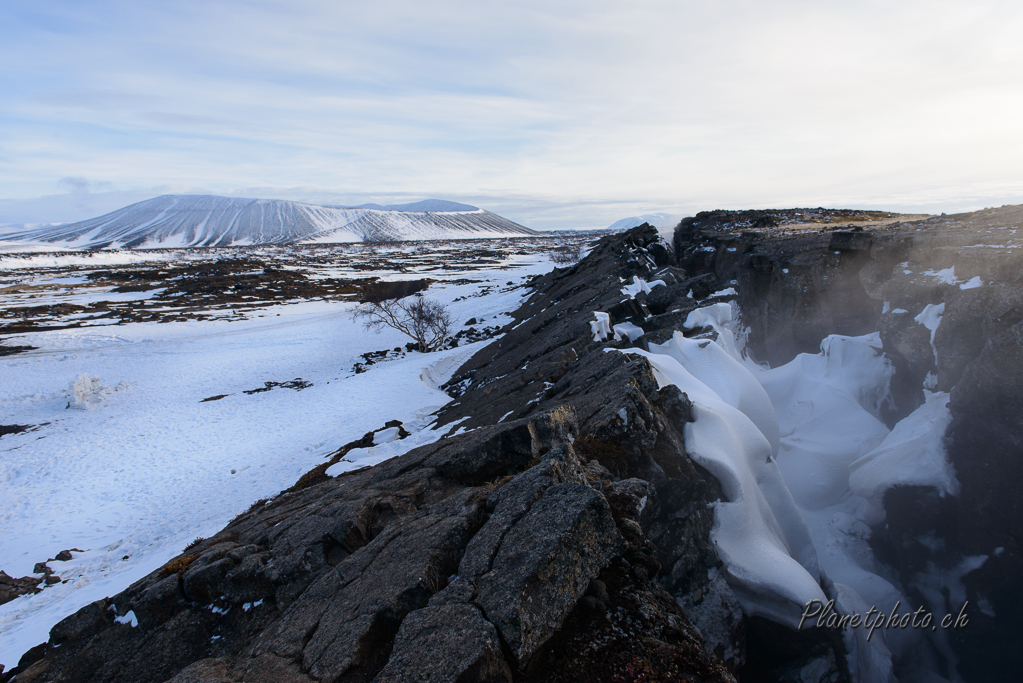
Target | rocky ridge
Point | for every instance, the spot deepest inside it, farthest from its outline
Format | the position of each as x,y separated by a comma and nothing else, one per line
562,532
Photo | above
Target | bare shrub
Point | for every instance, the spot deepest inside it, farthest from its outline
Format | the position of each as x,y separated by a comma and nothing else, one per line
424,320
567,253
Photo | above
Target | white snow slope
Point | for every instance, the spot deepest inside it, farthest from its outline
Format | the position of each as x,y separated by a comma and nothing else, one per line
145,467
171,221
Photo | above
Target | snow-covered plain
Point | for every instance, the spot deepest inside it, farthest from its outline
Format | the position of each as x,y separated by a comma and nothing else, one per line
144,465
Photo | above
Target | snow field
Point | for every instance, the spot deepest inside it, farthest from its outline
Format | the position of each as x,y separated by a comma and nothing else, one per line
147,468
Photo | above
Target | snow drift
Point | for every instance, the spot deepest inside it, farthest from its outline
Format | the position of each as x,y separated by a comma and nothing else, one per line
803,459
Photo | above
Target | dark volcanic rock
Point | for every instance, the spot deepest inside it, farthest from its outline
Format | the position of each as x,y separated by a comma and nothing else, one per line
545,563
462,560
565,536
471,651
11,587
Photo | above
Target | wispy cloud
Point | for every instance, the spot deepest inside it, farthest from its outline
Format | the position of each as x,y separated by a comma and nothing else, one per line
596,107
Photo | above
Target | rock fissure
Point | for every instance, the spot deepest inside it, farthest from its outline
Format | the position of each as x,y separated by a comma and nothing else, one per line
576,541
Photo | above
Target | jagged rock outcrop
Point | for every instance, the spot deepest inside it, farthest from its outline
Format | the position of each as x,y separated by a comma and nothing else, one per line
565,535
518,550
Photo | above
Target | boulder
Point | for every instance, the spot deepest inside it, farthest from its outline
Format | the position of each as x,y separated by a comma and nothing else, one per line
471,651
545,563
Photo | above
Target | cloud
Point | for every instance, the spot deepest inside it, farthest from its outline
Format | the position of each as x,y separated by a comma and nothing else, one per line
655,105
80,185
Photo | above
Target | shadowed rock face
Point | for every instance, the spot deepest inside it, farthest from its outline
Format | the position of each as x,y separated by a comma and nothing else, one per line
565,535
793,290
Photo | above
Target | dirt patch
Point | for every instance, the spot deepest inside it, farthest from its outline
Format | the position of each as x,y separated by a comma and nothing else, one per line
11,350
298,384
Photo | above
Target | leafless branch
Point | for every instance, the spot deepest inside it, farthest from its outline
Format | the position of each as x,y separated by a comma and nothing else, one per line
425,321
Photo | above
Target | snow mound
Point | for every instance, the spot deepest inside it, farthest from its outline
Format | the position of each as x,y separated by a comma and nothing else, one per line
88,392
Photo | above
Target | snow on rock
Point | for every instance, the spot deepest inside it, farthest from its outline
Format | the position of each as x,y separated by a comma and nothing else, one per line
601,327
627,329
973,283
912,454
640,285
358,458
930,318
88,392
386,435
948,275
128,619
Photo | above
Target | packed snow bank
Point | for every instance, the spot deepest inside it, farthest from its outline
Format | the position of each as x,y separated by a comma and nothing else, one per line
719,318
88,392
797,526
827,405
732,382
912,454
759,534
627,329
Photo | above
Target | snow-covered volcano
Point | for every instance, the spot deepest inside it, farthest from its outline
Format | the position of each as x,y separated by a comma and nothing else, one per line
210,221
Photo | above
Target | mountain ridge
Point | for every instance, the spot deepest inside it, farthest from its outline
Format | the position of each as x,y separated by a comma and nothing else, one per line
214,221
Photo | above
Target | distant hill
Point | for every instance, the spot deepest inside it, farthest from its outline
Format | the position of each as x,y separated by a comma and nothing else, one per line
425,205
658,220
171,221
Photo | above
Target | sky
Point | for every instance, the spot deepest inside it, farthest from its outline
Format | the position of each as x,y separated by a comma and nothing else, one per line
553,114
